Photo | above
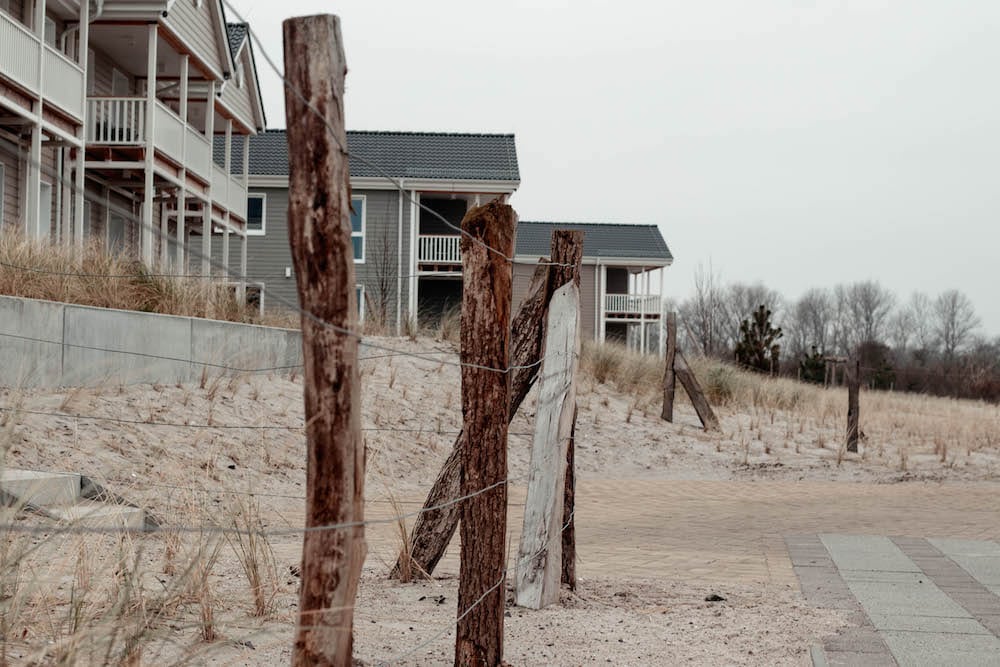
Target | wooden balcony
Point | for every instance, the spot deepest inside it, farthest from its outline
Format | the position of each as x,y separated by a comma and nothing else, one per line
22,58
439,253
632,306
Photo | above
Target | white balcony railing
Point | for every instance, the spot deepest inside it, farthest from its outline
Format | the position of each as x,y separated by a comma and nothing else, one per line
199,152
116,120
64,81
439,249
631,304
20,51
229,192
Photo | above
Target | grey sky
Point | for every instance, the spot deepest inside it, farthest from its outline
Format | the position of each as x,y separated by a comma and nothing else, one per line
799,146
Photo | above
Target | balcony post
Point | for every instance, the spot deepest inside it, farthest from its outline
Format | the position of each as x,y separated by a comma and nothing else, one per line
206,219
663,330
241,289
602,279
83,40
180,223
644,291
146,221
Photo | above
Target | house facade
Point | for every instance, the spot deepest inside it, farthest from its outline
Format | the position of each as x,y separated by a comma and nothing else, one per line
108,111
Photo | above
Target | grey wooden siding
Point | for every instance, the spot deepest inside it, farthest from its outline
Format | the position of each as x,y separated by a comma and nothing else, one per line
269,255
12,179
588,294
239,99
103,67
199,28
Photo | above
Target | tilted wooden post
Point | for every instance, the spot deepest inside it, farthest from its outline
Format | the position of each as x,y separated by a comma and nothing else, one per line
669,377
539,557
690,383
434,528
853,372
487,277
319,231
567,255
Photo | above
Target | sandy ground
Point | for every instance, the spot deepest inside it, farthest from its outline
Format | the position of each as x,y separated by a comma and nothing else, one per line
199,474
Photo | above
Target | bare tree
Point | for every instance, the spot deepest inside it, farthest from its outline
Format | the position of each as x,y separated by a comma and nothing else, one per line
810,322
869,305
955,320
920,315
703,313
380,290
900,329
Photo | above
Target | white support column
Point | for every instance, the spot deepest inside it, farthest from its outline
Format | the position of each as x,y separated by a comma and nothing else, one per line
181,267
241,291
65,207
227,163
414,242
33,189
644,292
206,219
146,219
225,247
602,281
164,237
663,315
83,39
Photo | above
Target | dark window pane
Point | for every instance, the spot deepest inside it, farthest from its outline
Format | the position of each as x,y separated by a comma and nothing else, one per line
359,246
255,213
357,209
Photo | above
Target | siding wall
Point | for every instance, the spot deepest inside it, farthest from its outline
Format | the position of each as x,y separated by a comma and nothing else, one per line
199,28
12,177
588,294
239,99
270,254
103,66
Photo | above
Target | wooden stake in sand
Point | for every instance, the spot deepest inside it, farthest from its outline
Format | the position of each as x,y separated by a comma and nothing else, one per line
853,391
539,558
487,279
319,231
669,377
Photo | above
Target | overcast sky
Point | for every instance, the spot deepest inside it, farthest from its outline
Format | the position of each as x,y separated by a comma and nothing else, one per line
798,146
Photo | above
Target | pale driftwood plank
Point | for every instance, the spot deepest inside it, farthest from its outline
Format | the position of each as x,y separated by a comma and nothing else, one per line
539,558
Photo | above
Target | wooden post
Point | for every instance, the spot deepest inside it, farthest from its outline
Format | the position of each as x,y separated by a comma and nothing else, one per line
853,372
539,557
669,377
697,396
567,255
487,280
434,528
319,232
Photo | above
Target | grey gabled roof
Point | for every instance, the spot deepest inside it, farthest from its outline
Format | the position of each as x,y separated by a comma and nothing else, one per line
237,32
432,155
600,240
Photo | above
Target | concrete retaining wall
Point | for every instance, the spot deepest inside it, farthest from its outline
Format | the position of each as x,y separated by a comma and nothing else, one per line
49,344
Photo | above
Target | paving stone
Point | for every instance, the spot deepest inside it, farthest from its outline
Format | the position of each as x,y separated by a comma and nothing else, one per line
884,576
856,659
926,599
911,623
857,640
933,649
867,552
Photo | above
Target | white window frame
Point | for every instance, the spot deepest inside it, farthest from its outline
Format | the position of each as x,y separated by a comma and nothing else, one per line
263,214
359,292
364,228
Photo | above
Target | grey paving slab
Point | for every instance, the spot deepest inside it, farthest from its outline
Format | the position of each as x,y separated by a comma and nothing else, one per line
867,552
857,659
925,599
980,559
884,576
911,623
933,649
857,640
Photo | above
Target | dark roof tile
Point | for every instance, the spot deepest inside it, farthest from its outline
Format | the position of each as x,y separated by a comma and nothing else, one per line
600,240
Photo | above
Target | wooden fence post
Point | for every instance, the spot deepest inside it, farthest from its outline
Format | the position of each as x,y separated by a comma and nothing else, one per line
539,557
695,393
487,276
853,391
319,233
669,377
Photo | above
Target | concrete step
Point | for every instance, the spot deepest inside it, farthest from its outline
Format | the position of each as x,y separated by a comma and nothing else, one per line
41,489
94,514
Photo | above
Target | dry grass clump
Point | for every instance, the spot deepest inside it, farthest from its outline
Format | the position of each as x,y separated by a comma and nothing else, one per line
35,270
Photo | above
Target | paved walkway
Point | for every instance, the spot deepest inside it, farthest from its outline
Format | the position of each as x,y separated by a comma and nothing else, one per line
916,601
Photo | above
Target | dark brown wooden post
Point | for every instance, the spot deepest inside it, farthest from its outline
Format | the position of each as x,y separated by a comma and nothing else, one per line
567,255
487,276
690,383
853,372
669,377
319,232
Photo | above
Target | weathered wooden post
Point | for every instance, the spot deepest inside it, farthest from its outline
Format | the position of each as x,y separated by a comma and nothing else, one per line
669,377
539,557
319,233
853,372
487,279
690,383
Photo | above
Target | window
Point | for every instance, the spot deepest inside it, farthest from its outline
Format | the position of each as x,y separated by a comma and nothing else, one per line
255,214
358,228
50,31
239,76
359,291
